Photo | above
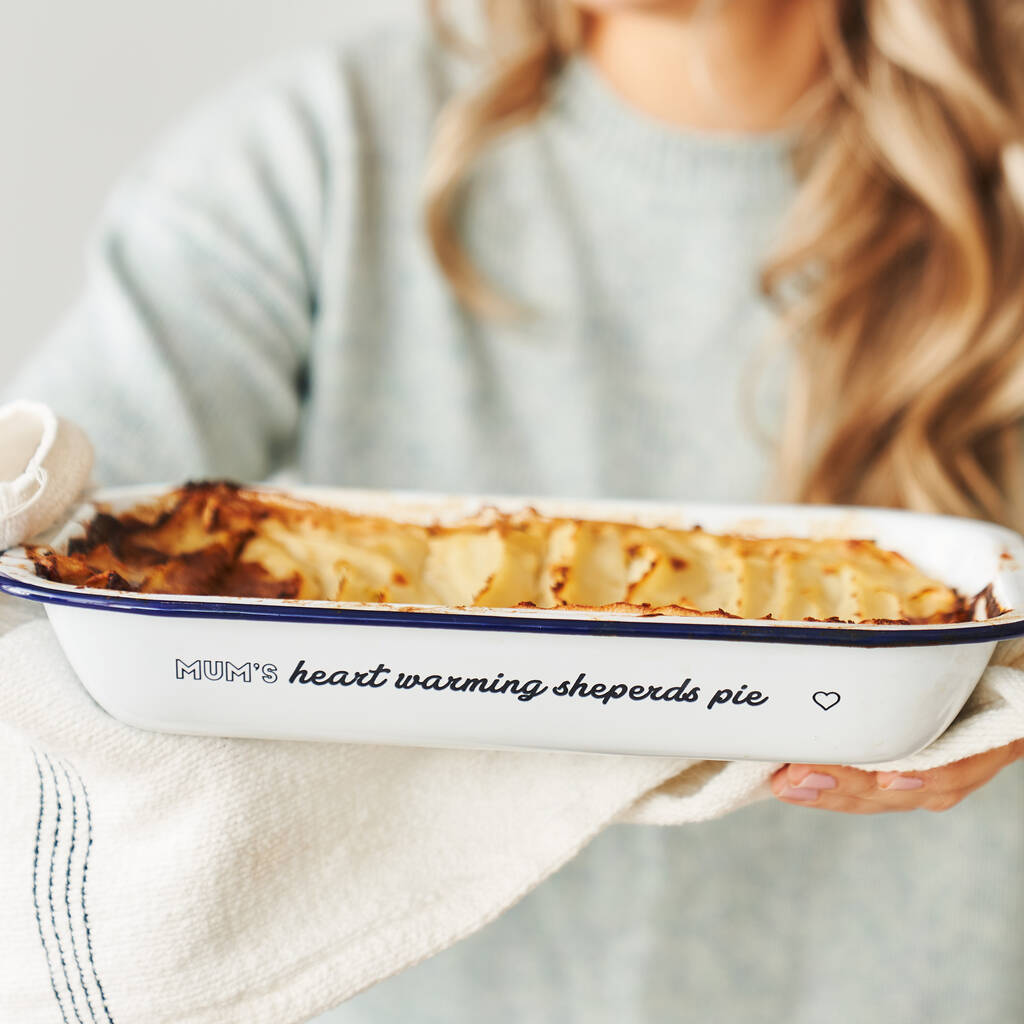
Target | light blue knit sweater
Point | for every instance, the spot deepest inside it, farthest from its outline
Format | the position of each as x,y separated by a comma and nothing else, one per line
261,293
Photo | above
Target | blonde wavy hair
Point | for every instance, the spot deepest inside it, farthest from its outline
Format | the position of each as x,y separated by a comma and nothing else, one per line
900,274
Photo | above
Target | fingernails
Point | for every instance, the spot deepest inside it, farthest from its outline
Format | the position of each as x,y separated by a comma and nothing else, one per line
800,793
809,788
903,782
818,780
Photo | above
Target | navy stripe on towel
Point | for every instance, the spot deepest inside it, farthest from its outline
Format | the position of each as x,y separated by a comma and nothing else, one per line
85,913
67,891
63,797
35,891
49,891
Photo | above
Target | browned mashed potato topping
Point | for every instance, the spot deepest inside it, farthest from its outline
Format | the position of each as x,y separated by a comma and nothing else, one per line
220,539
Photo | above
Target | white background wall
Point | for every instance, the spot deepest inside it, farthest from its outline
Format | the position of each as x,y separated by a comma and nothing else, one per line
84,87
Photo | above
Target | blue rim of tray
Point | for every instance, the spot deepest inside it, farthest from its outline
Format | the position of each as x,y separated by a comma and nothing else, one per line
820,634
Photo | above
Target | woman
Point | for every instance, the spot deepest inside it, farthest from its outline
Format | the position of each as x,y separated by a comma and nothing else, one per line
579,319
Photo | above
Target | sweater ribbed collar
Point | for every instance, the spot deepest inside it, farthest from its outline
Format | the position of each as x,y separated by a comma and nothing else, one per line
584,104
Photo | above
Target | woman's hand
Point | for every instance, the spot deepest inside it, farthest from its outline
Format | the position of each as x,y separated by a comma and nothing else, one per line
835,788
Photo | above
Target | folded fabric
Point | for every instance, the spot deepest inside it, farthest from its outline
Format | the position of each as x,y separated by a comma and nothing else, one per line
44,464
194,880
992,717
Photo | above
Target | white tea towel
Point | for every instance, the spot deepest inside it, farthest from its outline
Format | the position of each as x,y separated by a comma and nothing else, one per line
44,465
158,878
992,717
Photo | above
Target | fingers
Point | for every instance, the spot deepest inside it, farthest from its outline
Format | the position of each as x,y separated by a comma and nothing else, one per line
838,788
854,791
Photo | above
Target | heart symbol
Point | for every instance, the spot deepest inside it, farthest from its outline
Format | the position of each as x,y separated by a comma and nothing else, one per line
826,699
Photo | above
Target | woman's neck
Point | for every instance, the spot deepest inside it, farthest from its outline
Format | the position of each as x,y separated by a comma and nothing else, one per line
732,66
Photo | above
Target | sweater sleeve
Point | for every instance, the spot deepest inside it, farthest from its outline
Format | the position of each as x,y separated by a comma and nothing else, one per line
186,352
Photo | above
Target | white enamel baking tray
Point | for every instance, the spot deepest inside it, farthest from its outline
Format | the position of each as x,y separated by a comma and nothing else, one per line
544,679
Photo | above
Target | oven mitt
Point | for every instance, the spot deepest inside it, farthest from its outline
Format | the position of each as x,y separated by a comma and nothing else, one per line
45,463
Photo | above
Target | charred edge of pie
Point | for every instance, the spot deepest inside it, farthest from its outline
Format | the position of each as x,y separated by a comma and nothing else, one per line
116,531
110,580
987,597
45,562
204,486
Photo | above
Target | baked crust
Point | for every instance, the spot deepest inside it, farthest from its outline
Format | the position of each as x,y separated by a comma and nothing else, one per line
220,539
